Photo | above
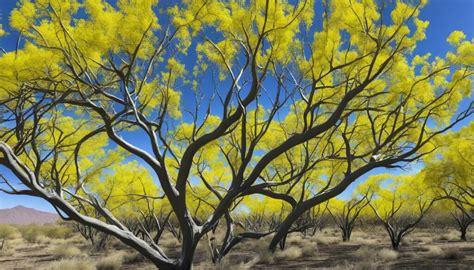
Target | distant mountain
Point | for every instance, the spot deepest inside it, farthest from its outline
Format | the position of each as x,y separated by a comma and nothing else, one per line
23,215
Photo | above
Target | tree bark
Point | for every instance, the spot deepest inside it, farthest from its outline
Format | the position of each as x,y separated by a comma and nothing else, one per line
463,233
346,235
396,243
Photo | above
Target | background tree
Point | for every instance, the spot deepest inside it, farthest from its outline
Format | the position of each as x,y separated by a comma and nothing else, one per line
460,214
401,204
345,213
450,173
217,108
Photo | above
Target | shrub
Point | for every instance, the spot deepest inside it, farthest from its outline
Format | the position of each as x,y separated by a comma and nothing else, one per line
225,264
364,252
33,233
41,239
133,258
30,233
7,252
447,254
111,262
289,253
324,239
451,235
295,239
169,241
57,232
246,265
309,250
434,251
347,266
7,232
451,254
66,251
386,254
76,264
264,254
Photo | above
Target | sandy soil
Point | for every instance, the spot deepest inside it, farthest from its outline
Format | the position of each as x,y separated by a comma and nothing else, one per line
423,249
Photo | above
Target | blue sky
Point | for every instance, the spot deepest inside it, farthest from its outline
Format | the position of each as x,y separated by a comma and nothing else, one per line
445,16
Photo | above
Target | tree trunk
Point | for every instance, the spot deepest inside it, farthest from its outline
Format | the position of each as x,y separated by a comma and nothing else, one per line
186,260
396,242
190,239
346,234
284,227
463,233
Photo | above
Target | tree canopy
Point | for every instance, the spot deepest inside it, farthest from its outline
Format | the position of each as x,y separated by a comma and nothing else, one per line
203,109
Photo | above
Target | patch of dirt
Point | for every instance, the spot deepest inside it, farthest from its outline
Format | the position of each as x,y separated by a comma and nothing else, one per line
326,254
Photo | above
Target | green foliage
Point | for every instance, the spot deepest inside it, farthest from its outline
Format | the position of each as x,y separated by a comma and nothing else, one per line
31,233
7,231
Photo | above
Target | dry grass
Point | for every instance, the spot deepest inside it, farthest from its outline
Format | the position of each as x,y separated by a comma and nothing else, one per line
76,264
246,265
41,239
133,257
433,251
386,254
345,266
325,239
365,241
421,239
300,252
297,246
307,247
66,251
450,235
309,250
364,265
225,264
169,241
296,239
370,258
77,240
359,234
45,240
263,253
8,249
364,252
111,262
363,238
289,253
452,254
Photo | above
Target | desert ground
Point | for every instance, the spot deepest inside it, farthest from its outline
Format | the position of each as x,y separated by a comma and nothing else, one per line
368,249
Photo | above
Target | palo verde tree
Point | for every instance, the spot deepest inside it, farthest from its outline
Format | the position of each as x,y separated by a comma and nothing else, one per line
462,220
401,204
462,215
345,213
216,104
450,174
